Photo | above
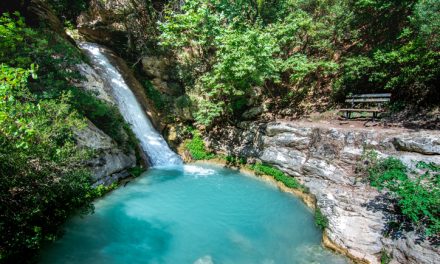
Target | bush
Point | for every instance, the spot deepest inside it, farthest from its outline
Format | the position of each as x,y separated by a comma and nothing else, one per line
229,60
101,190
320,220
158,99
277,174
385,257
196,147
136,171
235,161
417,191
41,180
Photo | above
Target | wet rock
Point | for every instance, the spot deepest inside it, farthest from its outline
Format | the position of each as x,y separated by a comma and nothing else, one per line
94,83
109,161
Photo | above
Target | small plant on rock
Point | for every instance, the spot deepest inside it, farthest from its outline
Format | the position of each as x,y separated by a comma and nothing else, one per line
320,219
385,257
416,192
277,174
196,147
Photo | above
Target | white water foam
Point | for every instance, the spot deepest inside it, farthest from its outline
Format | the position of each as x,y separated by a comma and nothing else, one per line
151,141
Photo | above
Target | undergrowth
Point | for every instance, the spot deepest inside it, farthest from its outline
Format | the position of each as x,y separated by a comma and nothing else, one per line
416,191
260,168
101,190
136,171
196,147
385,257
320,220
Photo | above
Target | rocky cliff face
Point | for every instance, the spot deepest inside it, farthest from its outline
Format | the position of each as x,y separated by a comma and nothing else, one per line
126,26
104,23
324,159
110,162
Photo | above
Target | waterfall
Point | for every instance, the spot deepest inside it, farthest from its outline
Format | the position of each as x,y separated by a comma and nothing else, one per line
151,141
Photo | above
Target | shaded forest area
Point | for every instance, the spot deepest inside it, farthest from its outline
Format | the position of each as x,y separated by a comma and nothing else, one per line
290,57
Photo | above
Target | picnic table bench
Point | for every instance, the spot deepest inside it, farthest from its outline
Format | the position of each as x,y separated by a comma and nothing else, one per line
375,100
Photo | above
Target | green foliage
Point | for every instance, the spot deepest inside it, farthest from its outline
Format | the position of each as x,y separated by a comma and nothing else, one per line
196,147
158,99
243,60
235,161
238,58
417,191
295,49
427,21
277,174
385,257
41,180
320,220
101,190
302,67
136,171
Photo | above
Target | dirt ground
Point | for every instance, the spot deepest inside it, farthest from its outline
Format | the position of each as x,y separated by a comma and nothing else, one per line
402,121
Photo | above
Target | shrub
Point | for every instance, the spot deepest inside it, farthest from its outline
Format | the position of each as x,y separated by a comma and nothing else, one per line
41,180
277,174
234,160
101,190
136,171
385,257
320,220
417,191
158,99
196,147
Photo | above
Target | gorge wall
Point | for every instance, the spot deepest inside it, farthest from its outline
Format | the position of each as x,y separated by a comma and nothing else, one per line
110,163
324,159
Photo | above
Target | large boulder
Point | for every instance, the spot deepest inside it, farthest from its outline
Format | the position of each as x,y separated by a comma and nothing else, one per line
109,163
425,143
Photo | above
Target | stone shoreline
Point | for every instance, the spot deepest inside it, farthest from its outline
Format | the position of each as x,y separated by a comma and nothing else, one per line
324,158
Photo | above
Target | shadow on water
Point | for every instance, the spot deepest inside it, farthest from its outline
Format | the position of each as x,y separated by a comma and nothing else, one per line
396,225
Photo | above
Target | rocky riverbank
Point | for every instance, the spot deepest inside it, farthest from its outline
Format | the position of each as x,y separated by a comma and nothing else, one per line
324,159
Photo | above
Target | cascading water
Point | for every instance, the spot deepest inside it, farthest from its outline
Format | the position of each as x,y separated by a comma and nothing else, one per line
151,141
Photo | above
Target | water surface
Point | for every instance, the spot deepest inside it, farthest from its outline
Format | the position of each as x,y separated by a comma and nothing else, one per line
193,214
